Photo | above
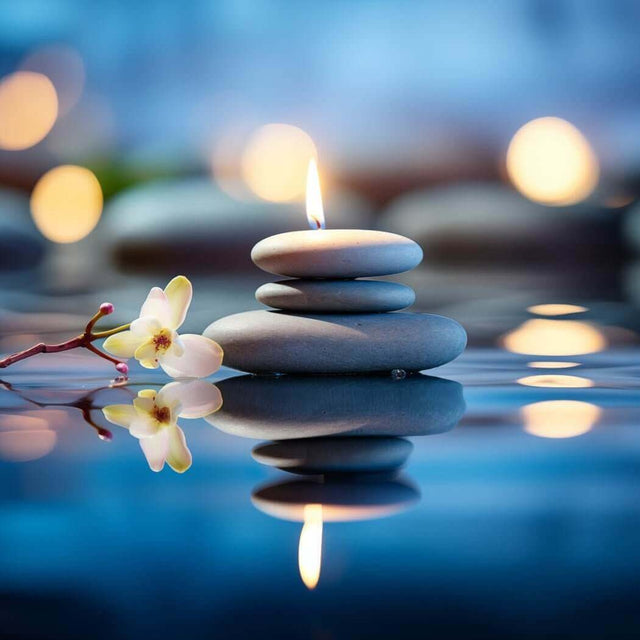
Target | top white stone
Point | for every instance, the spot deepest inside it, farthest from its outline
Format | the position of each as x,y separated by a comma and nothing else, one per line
336,253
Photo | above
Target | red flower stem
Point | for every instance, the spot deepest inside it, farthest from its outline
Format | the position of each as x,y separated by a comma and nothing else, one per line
41,347
83,340
101,353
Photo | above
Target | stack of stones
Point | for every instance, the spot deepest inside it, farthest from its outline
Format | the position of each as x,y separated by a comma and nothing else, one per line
327,320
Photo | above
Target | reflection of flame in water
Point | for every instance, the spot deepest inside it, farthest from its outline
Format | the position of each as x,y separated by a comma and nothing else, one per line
551,364
559,418
556,309
555,381
28,109
551,162
315,210
66,203
310,547
275,162
544,337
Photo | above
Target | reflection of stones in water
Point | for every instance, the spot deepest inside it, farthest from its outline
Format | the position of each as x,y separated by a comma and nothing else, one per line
314,502
342,500
335,455
344,432
292,407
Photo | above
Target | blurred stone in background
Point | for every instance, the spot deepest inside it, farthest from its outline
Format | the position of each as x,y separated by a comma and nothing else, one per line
192,223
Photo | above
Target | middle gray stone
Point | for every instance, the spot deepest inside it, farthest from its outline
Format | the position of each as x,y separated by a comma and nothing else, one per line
336,296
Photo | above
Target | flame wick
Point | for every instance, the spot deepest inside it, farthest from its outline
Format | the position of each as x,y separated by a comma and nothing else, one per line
315,210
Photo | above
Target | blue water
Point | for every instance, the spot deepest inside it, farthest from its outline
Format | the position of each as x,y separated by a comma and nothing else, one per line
512,533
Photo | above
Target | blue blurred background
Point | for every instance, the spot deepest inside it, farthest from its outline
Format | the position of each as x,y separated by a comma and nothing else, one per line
142,139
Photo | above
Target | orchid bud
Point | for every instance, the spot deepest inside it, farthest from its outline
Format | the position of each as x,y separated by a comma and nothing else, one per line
105,434
106,308
123,368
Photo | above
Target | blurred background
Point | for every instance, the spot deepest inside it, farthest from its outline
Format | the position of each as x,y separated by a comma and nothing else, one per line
142,139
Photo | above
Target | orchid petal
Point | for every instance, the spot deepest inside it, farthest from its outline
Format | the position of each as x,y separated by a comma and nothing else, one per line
144,426
177,346
197,398
146,326
121,414
155,449
147,393
179,456
157,306
144,404
150,364
146,351
178,292
123,344
202,357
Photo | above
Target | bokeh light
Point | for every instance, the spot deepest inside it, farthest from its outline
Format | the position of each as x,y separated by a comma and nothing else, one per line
556,309
28,109
24,438
66,203
544,337
552,364
275,162
64,67
556,381
559,418
551,162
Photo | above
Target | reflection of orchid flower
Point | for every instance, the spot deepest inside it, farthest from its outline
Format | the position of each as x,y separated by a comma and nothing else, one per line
153,339
153,419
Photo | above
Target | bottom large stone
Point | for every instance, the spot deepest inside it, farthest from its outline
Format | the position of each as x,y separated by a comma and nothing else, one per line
277,342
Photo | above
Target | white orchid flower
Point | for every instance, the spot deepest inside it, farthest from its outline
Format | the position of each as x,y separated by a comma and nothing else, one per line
153,419
154,341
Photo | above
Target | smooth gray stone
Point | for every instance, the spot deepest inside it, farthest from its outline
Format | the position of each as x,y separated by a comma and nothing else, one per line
277,342
335,455
342,501
191,223
336,253
493,225
338,296
294,407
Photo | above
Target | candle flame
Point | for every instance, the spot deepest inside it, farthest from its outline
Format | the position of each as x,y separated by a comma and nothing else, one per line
315,211
310,547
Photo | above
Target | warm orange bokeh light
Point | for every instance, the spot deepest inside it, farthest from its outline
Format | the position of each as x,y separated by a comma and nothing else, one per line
24,438
555,381
551,162
275,162
66,203
28,109
559,418
556,309
552,364
544,337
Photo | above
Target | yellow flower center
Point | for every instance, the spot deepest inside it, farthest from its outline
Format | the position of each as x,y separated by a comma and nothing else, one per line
162,340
